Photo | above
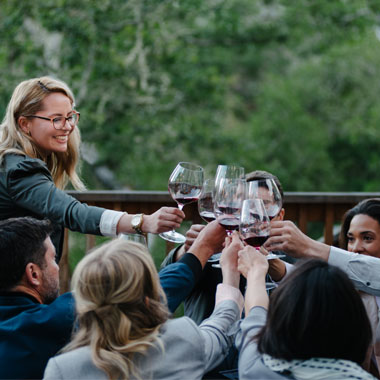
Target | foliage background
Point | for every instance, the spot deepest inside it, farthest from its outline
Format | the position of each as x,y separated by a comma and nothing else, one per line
289,87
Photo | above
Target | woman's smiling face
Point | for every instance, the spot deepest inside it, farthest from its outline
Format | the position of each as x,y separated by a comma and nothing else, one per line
42,132
363,236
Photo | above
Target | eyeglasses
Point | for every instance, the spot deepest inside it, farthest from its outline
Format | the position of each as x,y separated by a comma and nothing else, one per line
59,122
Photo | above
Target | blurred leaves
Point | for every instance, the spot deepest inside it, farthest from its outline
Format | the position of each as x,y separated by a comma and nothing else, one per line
285,86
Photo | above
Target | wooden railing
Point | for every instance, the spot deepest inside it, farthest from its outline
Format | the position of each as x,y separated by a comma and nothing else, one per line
302,208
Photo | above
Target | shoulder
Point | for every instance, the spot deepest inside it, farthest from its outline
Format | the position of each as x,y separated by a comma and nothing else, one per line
73,364
13,160
17,163
179,329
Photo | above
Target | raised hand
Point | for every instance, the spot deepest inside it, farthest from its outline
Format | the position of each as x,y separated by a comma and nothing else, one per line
192,234
250,259
228,260
209,241
286,236
164,219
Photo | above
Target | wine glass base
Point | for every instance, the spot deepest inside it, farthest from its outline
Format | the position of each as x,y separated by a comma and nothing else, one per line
272,256
270,285
173,236
214,258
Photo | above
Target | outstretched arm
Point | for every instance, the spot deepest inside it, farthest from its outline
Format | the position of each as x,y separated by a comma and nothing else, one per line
178,279
361,269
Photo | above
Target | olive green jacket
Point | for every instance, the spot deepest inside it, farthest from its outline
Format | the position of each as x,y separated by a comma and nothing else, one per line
27,189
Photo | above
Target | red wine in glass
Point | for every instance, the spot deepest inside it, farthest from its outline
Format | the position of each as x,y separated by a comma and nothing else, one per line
184,193
206,201
185,186
230,224
256,241
207,216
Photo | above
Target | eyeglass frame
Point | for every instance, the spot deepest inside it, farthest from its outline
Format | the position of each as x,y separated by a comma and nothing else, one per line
51,119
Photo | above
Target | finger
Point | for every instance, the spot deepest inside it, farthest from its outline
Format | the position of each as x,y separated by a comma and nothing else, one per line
167,225
170,217
264,251
174,211
197,227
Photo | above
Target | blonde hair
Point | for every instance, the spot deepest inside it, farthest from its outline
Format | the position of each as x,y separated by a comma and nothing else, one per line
27,99
120,306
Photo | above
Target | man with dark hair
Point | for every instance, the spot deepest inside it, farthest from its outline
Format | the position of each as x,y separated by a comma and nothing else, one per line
34,322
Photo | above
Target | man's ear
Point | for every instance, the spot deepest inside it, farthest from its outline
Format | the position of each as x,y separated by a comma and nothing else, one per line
281,214
33,275
24,124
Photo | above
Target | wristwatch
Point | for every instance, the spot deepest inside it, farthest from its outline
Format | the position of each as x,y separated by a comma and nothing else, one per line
137,222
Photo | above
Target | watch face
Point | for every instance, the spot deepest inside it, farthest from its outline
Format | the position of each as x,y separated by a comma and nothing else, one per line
136,220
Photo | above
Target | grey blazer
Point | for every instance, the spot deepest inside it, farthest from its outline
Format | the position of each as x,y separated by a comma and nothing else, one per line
189,350
251,365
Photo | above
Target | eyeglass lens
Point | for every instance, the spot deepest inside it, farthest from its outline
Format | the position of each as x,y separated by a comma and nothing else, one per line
59,122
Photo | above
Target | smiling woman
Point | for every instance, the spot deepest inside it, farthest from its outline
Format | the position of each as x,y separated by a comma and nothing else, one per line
360,233
39,153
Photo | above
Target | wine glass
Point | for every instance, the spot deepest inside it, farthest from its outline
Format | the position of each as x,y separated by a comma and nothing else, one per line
228,171
254,224
255,229
206,209
138,238
267,190
185,186
229,196
206,201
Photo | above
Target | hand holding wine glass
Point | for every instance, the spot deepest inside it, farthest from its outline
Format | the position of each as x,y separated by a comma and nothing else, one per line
185,186
267,190
229,196
255,229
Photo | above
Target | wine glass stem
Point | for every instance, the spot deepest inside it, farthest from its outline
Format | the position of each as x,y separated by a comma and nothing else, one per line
180,206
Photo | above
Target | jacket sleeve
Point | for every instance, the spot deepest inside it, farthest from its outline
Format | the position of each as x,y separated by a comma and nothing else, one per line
178,279
30,186
218,332
247,346
361,269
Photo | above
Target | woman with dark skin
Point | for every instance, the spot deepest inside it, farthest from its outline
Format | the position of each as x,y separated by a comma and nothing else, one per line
360,233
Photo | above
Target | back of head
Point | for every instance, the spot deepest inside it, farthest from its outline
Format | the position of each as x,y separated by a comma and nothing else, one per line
369,207
262,174
22,241
316,312
27,99
119,304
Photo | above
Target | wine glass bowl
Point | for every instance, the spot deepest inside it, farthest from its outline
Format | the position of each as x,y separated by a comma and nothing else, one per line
228,171
206,201
229,196
185,186
267,190
254,223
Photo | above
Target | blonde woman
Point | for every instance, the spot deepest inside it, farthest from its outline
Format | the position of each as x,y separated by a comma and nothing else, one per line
39,153
124,327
